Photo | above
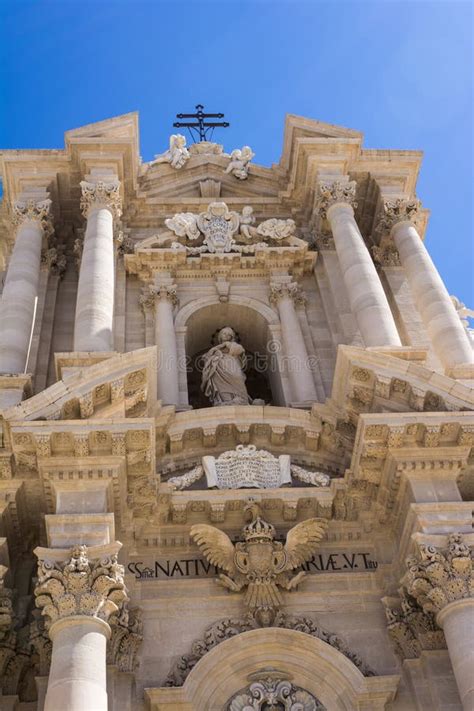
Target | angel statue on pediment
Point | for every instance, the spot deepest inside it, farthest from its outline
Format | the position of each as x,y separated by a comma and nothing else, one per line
239,162
177,154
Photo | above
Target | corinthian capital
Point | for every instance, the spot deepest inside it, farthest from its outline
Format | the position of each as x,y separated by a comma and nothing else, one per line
329,194
290,290
399,210
410,628
151,294
33,211
439,576
101,194
80,585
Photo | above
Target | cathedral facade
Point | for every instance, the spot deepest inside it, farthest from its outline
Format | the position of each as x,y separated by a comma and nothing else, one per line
236,410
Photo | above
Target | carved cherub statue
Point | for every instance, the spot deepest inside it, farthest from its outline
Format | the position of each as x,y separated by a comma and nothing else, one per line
260,563
239,162
177,154
247,219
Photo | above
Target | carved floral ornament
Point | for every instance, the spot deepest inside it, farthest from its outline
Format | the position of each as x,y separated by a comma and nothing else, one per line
151,294
101,194
411,629
80,586
219,229
273,690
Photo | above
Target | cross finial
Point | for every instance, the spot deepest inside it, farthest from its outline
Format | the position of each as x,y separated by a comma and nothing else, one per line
200,127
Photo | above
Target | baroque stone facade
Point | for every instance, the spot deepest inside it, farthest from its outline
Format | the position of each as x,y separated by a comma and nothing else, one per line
236,453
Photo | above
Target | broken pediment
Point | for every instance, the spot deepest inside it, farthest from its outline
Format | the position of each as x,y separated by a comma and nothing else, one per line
123,385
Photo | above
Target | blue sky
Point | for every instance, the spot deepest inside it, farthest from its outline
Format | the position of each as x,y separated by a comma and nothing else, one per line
401,72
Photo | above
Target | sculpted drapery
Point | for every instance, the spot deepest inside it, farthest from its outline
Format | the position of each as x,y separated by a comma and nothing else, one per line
223,377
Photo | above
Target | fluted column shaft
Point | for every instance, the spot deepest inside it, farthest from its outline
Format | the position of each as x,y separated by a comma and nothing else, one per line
447,333
93,328
17,305
295,353
365,292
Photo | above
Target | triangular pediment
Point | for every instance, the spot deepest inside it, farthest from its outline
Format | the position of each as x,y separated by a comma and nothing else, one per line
118,127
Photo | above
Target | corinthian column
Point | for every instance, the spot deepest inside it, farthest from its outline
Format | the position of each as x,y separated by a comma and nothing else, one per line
163,299
441,580
77,596
93,327
17,305
284,295
364,289
441,320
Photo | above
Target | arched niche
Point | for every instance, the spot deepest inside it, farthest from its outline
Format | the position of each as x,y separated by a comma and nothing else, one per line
310,663
257,325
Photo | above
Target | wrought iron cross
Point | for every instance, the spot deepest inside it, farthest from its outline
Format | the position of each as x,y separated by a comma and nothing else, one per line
201,128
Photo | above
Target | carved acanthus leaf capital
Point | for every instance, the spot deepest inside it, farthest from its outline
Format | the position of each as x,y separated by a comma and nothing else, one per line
290,290
398,210
101,194
410,628
33,211
329,194
126,637
151,294
80,585
439,576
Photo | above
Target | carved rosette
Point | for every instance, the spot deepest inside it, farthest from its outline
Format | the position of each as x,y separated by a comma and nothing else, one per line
329,194
33,211
411,629
80,586
399,210
151,294
101,194
287,290
439,576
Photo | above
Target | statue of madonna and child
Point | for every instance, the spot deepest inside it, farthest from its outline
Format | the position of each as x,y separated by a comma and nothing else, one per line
223,377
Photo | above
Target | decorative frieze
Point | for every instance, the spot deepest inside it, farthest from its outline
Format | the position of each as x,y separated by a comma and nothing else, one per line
80,585
335,192
101,195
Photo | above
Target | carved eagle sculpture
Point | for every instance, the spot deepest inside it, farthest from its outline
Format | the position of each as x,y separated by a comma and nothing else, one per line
259,562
